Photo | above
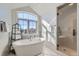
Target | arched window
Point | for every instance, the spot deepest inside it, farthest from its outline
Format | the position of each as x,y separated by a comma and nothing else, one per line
27,21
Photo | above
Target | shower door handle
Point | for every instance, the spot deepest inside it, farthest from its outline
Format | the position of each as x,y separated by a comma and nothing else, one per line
74,32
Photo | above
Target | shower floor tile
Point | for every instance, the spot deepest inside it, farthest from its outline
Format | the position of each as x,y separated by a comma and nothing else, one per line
67,51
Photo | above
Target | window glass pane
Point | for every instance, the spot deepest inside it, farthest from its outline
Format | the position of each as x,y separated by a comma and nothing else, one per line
22,26
26,19
21,23
32,26
25,25
20,15
26,16
32,17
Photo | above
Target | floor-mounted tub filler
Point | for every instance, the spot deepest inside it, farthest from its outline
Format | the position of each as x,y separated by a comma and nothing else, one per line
27,47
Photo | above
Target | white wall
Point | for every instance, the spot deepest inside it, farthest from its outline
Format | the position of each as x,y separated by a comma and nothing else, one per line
78,29
5,15
47,11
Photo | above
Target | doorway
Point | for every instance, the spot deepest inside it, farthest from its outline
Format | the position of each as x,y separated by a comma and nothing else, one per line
66,28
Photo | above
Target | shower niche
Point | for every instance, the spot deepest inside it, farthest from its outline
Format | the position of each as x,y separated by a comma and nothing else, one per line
2,26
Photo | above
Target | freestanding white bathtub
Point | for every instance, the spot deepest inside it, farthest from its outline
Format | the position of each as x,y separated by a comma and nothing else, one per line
28,47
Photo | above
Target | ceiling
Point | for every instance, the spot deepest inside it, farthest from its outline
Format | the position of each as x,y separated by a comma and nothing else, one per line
46,10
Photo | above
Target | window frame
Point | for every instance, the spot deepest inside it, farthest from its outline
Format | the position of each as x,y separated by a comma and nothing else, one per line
28,21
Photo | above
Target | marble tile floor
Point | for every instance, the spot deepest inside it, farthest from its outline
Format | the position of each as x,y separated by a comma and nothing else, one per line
47,52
